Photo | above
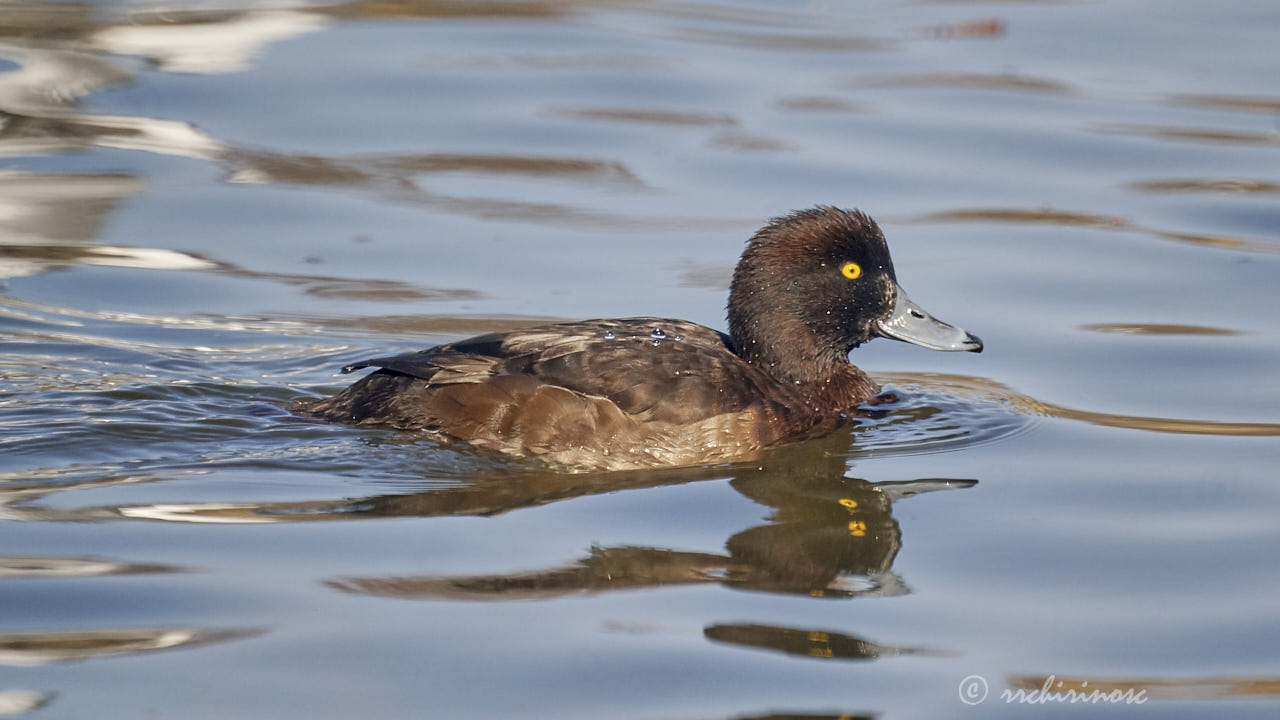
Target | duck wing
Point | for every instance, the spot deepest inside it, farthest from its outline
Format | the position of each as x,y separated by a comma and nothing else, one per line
653,369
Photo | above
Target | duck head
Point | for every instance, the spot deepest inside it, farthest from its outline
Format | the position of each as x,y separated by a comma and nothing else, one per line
813,285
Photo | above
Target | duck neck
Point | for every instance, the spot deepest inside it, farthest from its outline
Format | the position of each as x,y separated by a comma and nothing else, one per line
790,355
791,352
777,342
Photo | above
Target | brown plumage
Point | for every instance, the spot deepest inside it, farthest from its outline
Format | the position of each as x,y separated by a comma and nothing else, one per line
645,392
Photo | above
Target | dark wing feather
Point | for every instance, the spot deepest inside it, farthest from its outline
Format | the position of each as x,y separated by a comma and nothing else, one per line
438,368
689,375
472,359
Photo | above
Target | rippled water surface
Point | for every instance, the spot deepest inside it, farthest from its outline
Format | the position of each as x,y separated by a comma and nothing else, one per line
206,210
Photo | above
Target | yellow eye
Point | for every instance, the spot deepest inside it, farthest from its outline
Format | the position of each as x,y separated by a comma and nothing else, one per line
851,270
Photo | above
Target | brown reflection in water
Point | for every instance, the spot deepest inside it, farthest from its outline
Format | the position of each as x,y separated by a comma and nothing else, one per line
590,171
800,41
746,142
1190,134
1050,216
499,491
989,27
728,139
1164,425
981,81
1032,406
618,568
258,166
1224,242
828,535
1187,688
819,644
367,289
1225,185
336,288
1039,216
393,179
42,648
1158,329
27,566
647,116
1246,103
724,14
44,20
255,167
817,104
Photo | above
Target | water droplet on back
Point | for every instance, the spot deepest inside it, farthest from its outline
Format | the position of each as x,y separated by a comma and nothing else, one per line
656,342
657,334
608,335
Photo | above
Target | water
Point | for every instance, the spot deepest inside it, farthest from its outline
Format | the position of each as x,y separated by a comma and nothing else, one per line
206,212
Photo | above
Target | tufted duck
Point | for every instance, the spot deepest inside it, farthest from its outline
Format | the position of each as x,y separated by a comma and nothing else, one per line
646,392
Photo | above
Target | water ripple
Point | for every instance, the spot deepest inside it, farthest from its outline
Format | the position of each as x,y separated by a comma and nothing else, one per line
978,399
936,413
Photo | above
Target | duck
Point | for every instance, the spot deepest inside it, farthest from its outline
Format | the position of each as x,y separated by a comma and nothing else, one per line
648,392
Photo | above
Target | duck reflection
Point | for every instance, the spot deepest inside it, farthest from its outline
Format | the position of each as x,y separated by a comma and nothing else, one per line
828,535
817,644
835,542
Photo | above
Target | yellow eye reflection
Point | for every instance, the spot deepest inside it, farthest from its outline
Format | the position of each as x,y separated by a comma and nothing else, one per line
851,270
